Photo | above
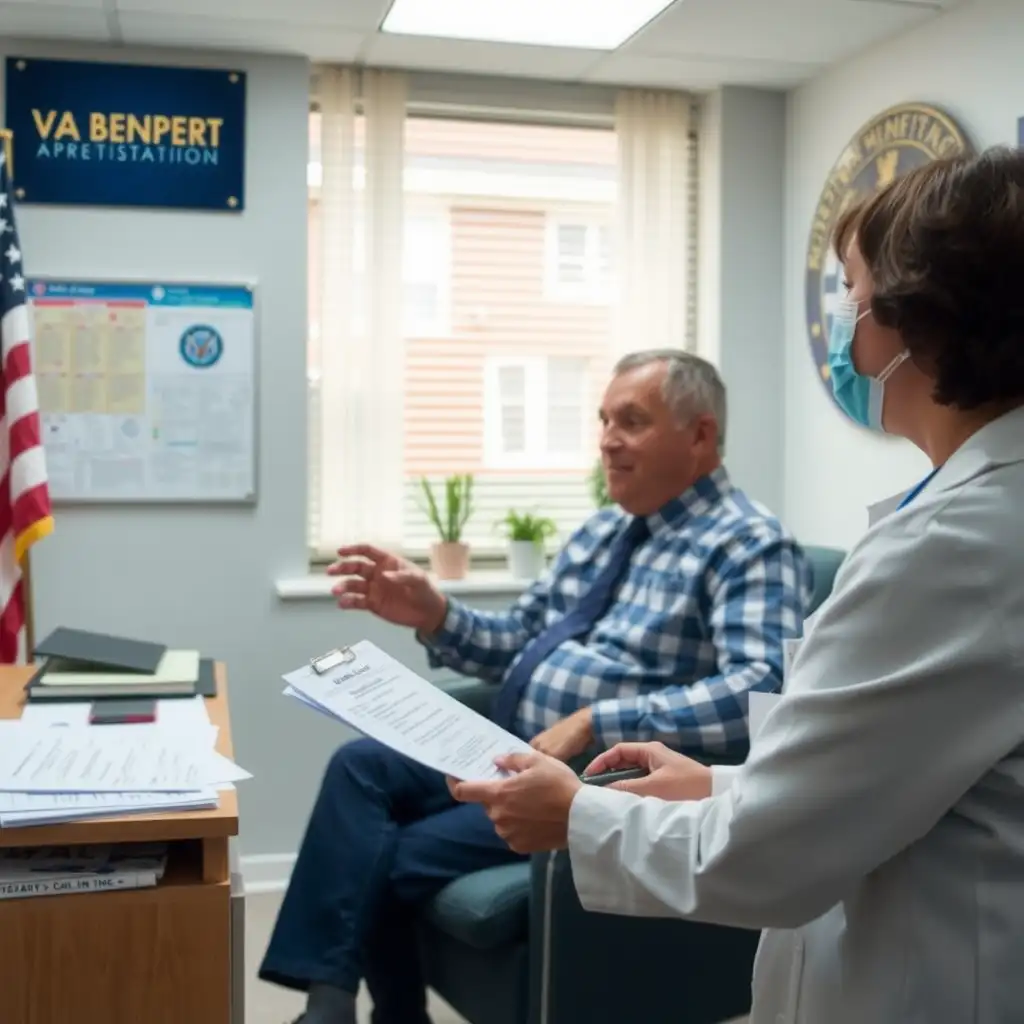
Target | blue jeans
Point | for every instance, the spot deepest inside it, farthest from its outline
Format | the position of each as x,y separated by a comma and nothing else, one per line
384,837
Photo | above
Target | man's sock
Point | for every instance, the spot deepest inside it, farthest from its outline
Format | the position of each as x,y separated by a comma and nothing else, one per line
329,1005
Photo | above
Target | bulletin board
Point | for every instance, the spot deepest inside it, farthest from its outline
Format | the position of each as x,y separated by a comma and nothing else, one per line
147,390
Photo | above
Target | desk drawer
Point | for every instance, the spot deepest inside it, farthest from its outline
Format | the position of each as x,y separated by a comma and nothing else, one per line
158,956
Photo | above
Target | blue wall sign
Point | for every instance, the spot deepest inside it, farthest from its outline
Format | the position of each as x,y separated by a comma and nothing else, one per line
126,134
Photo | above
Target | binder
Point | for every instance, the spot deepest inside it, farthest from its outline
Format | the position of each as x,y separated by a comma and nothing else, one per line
101,650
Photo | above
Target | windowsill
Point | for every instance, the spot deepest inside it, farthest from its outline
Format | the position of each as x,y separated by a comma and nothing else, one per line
479,583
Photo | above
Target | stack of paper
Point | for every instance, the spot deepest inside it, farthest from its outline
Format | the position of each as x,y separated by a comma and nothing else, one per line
378,696
55,767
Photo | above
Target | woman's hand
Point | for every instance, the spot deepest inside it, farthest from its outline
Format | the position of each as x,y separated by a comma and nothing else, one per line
671,776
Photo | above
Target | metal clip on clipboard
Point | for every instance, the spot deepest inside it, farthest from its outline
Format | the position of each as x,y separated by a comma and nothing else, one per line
332,659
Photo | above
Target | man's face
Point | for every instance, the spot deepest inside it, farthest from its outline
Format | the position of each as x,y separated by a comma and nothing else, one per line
648,456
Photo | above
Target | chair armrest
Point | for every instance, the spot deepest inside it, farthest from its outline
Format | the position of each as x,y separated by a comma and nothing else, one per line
586,966
472,692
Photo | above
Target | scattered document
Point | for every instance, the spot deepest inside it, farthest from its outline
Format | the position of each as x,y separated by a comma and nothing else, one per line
51,808
55,767
86,760
180,713
381,698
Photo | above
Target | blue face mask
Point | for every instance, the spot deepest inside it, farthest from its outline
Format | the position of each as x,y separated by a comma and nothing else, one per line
860,397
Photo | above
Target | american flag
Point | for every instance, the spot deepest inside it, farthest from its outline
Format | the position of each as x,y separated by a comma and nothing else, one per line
24,494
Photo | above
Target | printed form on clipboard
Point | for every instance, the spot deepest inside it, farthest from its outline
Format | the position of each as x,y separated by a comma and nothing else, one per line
376,695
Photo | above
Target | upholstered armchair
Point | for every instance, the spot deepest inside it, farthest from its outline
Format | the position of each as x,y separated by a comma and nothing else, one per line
512,945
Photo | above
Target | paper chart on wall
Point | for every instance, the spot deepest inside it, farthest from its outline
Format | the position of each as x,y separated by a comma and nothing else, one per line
146,390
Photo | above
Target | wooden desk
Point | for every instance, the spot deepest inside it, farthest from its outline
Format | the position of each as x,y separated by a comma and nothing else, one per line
144,956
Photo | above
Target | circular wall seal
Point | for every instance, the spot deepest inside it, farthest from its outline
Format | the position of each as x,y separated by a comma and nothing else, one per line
201,346
889,145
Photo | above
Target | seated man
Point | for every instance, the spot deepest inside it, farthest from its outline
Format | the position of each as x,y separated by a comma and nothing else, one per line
655,621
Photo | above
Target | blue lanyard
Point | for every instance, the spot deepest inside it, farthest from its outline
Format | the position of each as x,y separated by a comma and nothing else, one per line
918,489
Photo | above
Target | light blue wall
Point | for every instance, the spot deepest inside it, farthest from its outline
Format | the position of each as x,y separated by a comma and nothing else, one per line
741,303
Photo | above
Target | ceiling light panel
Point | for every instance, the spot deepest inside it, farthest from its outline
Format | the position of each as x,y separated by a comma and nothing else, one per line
580,24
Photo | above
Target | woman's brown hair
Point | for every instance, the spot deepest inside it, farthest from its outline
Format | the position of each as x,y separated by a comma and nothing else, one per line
944,246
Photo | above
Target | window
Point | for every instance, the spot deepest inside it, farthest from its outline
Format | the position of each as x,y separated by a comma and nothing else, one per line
425,268
536,412
497,236
578,261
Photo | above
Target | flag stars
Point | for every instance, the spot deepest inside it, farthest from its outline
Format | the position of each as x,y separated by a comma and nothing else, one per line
13,253
5,225
17,283
3,200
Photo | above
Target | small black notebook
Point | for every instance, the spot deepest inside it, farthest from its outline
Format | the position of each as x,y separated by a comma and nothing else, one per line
100,649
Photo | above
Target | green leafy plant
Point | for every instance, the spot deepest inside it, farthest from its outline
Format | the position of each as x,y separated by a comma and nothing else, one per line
528,527
599,486
458,506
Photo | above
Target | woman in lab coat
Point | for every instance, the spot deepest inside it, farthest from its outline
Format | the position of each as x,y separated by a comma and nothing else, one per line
876,832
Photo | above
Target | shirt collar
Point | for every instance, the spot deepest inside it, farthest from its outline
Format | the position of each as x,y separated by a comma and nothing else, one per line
998,443
704,494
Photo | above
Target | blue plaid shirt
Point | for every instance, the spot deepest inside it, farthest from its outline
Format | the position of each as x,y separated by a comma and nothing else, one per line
697,624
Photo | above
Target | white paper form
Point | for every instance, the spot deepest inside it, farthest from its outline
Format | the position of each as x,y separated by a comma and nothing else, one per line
179,713
95,760
46,808
384,700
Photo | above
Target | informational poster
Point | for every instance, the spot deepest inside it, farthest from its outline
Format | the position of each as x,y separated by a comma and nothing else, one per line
147,391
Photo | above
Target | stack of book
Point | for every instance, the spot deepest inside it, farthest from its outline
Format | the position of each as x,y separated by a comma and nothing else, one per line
85,666
58,870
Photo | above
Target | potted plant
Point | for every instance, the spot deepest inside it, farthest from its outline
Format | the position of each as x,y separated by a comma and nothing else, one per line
599,486
526,535
449,558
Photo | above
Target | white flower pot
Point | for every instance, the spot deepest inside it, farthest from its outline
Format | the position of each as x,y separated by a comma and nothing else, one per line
525,559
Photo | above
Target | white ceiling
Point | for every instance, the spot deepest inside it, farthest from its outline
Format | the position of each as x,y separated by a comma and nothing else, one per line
695,44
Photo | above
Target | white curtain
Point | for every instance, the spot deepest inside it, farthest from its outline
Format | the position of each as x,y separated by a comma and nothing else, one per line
652,220
359,407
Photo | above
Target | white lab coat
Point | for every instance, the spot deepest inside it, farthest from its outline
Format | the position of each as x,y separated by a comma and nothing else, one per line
877,829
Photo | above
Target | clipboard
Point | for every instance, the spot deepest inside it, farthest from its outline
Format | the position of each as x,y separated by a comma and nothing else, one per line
332,660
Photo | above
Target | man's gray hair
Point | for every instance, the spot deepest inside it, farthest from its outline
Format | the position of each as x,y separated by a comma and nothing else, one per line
692,385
